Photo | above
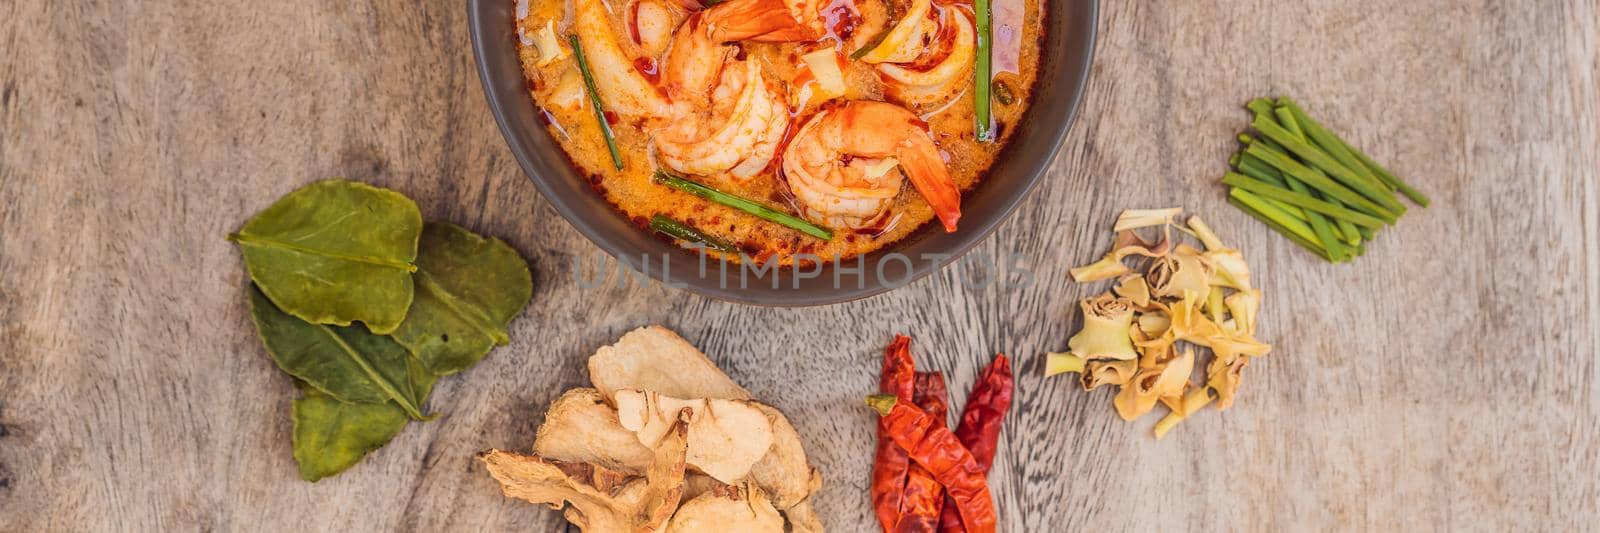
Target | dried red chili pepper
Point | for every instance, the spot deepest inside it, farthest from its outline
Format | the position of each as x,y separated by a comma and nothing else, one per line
979,430
924,499
930,444
891,464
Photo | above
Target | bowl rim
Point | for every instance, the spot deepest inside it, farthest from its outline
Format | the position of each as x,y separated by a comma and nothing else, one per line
612,245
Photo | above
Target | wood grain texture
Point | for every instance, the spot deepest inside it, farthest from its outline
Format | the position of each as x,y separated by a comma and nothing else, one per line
1446,381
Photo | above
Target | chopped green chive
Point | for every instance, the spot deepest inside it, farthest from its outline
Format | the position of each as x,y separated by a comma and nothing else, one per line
742,204
594,96
981,76
684,232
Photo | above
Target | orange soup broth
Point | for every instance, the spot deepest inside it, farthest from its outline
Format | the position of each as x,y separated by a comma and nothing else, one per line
1017,30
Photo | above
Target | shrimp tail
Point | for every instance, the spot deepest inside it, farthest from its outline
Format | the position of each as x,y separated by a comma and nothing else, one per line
770,21
932,180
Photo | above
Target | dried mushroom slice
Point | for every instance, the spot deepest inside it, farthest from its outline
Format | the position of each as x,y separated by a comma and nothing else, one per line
802,518
695,484
580,428
743,510
655,358
784,471
600,500
726,437
664,479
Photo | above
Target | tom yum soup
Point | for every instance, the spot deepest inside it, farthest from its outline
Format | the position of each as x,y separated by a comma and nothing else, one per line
781,127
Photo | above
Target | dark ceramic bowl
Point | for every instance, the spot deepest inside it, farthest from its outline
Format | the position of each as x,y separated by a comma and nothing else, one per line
1068,47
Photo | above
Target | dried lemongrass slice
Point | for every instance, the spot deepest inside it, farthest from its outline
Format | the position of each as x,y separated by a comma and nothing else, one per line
1106,321
1151,384
1183,294
1127,243
1133,288
1226,346
1143,218
1182,270
1243,306
1188,403
1224,377
1130,239
1097,373
1154,324
1106,268
1215,307
1191,403
1155,353
1153,350
1203,232
1062,363
1228,269
1189,324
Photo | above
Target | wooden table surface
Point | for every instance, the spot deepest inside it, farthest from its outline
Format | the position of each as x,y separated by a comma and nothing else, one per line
1446,381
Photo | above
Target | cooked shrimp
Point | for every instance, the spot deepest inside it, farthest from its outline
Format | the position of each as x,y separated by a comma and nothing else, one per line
840,165
699,48
721,114
739,132
727,117
927,57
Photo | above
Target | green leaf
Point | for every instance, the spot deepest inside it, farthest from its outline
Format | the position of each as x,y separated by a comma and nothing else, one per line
334,252
331,436
350,364
468,290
